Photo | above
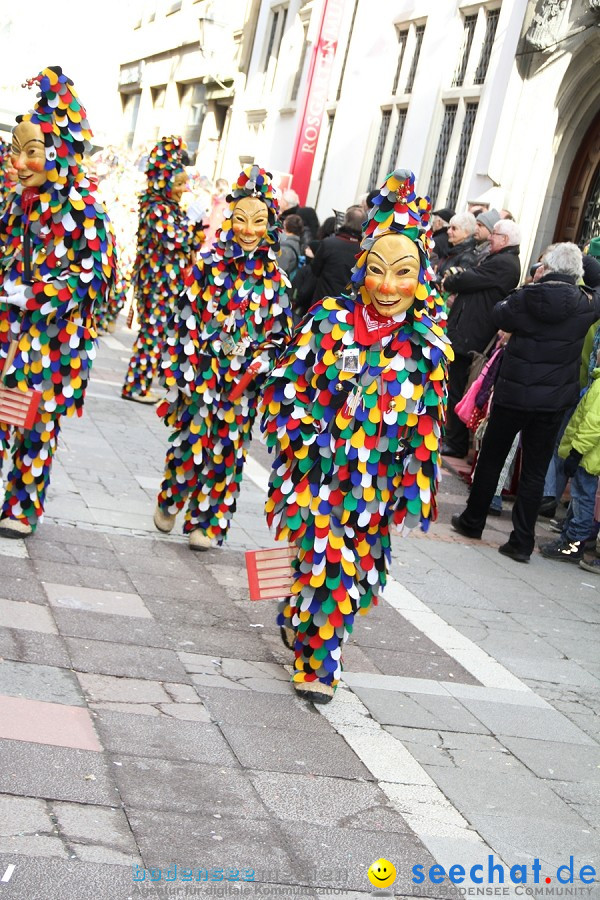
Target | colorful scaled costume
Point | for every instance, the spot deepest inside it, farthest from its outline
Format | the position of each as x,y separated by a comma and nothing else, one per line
235,311
166,240
56,264
7,185
354,411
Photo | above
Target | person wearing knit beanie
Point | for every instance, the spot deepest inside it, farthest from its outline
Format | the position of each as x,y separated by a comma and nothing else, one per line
484,226
57,262
354,412
231,320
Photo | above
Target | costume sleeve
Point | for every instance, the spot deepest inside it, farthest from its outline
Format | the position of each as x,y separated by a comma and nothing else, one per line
416,495
275,322
85,281
288,396
181,359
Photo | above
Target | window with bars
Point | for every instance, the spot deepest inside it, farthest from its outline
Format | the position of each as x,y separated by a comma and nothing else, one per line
276,32
300,69
386,116
400,123
491,24
346,51
402,39
330,120
442,151
468,31
462,153
271,41
419,32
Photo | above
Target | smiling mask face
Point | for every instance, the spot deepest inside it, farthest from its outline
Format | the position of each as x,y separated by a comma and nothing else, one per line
392,274
249,222
28,154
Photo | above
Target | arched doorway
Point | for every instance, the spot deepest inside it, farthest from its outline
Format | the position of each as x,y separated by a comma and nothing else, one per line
579,215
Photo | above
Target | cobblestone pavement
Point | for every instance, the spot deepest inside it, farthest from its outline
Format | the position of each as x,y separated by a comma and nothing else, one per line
147,721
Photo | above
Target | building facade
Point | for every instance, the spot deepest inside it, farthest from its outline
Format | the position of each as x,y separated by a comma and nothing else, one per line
494,101
183,69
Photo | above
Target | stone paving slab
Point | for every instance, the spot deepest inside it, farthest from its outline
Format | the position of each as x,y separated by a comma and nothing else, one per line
74,879
508,719
83,576
108,602
262,710
18,679
419,711
141,632
165,838
22,588
58,773
327,802
32,647
121,690
483,753
105,657
46,723
175,785
321,753
352,852
156,737
557,761
505,797
26,616
521,839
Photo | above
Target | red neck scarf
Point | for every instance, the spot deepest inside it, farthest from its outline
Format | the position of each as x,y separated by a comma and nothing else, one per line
370,326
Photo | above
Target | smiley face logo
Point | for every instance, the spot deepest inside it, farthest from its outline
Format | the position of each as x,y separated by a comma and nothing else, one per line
381,873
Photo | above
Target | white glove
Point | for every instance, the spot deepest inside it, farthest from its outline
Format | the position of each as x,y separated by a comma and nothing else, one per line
15,294
261,364
196,212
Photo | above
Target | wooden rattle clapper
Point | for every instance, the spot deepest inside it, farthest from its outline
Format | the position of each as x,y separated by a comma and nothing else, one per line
18,408
270,573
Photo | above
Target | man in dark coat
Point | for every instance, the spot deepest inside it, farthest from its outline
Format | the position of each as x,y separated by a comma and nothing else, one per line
290,206
336,256
538,380
470,323
440,219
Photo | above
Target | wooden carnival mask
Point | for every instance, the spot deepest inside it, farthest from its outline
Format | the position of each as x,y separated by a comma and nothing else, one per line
28,154
392,274
249,222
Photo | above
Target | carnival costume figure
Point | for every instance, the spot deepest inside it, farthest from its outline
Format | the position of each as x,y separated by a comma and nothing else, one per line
166,241
234,315
354,411
56,264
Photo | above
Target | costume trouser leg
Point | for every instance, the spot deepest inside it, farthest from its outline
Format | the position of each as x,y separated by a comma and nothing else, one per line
213,500
143,365
206,471
28,479
179,479
339,572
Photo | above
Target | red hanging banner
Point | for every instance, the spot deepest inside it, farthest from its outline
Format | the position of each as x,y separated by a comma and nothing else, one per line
319,73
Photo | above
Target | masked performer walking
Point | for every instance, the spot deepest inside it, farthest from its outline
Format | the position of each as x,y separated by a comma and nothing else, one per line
56,264
354,411
234,314
166,241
